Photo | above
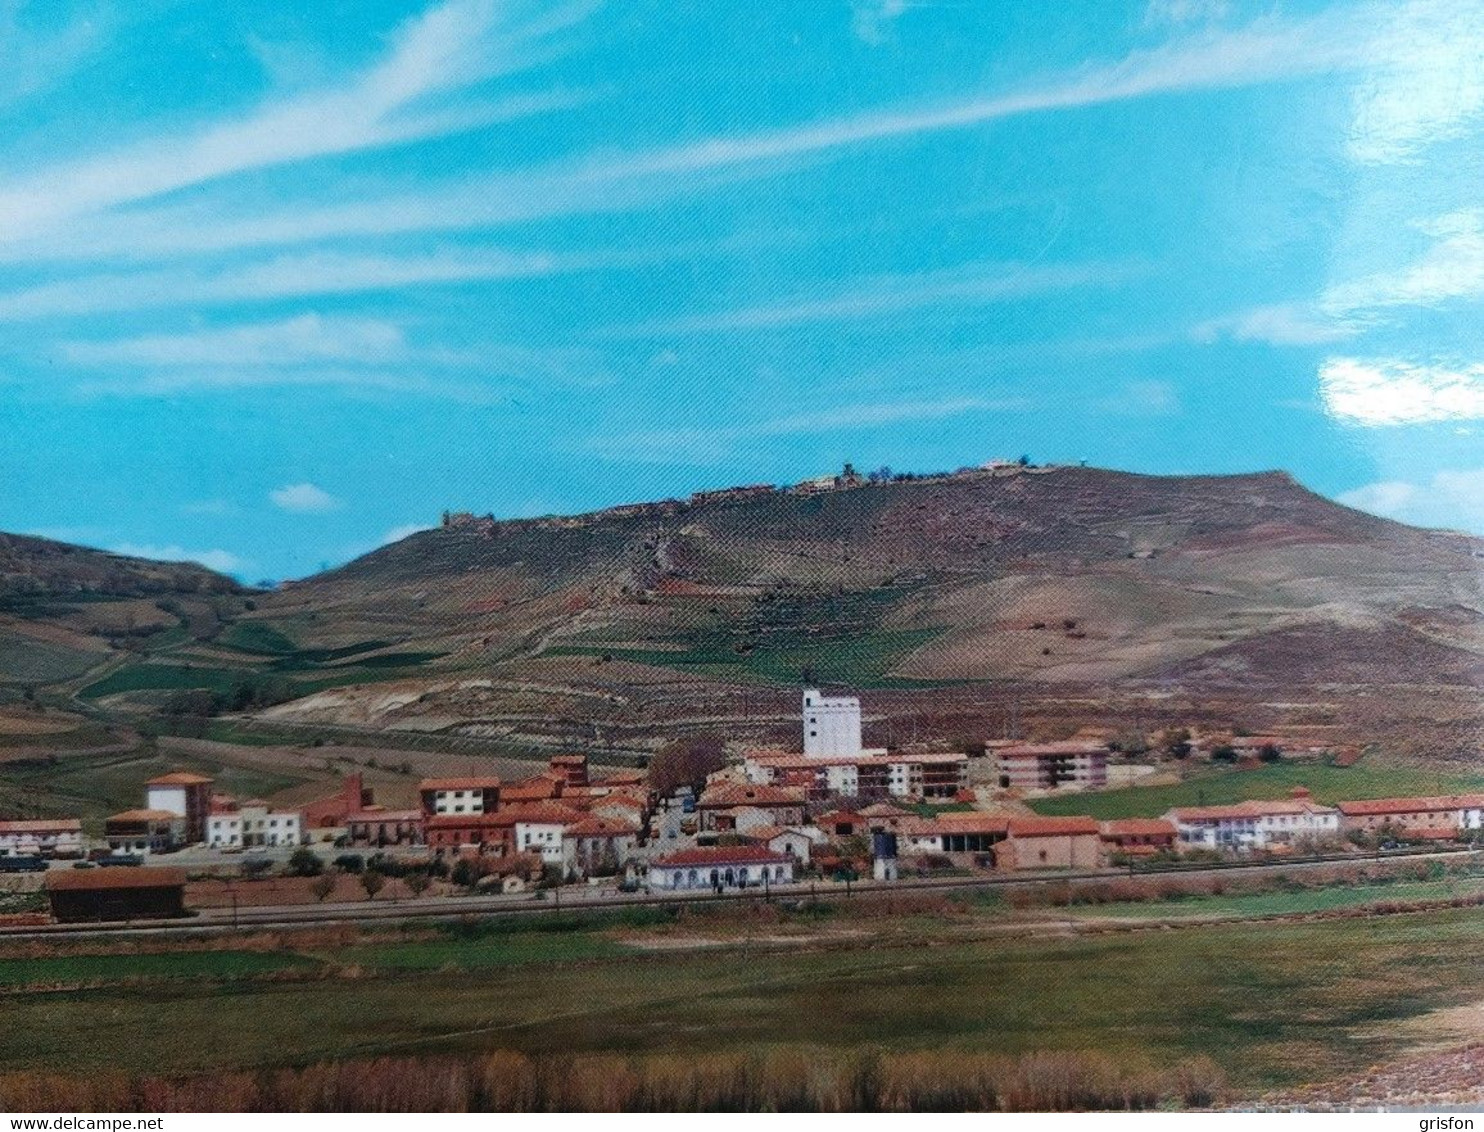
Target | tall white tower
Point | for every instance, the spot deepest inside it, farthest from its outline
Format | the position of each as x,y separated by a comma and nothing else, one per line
832,725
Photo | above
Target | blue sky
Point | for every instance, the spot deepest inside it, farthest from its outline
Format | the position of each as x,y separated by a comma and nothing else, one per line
277,286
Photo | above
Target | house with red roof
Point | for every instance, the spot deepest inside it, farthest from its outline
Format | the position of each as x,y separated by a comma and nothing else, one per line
1422,819
41,837
1139,837
1256,824
1050,843
137,833
1079,765
472,794
595,846
185,794
324,818
720,807
720,867
379,827
486,834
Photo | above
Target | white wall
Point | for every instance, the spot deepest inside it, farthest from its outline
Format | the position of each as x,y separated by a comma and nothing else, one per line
171,799
832,725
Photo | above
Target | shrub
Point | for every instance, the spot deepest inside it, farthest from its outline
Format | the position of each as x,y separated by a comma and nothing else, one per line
350,862
305,862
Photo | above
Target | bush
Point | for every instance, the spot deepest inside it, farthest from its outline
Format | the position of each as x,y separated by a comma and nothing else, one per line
350,863
465,873
305,862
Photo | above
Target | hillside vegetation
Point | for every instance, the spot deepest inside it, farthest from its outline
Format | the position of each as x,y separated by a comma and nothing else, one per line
1247,596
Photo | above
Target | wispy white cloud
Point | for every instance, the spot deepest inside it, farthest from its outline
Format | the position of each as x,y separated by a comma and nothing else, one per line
1281,324
1429,89
1394,391
311,350
294,341
894,294
303,499
223,561
1266,50
1450,498
282,277
711,445
447,48
1451,268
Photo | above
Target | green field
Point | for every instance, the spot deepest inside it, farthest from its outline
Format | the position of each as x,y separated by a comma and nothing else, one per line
861,662
1206,786
1272,1004
1288,903
94,786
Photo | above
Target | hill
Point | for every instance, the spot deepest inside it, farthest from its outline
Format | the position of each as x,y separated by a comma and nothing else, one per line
67,609
1046,595
952,593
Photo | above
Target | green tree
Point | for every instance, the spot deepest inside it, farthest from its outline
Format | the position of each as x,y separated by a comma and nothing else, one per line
322,886
305,862
417,882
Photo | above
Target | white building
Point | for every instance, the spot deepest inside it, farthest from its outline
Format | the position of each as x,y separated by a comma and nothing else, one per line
1255,824
832,725
476,795
725,866
41,837
542,837
254,825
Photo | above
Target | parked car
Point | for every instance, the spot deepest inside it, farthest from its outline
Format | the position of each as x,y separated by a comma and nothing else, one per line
121,860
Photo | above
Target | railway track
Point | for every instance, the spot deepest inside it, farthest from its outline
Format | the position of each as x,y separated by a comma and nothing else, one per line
574,900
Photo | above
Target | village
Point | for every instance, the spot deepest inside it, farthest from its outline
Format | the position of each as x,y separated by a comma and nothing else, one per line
834,811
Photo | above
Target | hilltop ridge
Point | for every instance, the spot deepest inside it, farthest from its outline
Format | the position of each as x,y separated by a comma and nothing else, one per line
963,592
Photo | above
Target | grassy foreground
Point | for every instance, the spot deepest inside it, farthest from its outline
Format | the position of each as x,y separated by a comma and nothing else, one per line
1268,1004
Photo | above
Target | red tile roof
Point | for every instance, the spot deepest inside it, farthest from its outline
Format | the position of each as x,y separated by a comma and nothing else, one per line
529,789
721,855
601,827
501,819
144,815
89,880
476,783
1052,827
1250,810
621,778
546,813
384,816
1369,806
179,778
41,825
